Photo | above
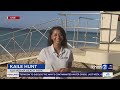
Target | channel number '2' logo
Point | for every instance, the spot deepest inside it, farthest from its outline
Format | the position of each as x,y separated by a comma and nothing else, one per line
104,67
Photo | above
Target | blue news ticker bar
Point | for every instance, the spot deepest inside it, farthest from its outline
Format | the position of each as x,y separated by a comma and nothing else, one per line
26,66
65,74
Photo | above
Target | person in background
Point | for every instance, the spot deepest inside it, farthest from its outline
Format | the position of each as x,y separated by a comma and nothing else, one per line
57,56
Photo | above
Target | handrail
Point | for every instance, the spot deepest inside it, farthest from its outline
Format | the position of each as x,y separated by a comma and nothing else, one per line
88,18
78,27
7,51
79,13
83,42
83,28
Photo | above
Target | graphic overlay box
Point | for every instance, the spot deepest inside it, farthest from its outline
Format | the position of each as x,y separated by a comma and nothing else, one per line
107,74
107,66
38,70
60,74
13,70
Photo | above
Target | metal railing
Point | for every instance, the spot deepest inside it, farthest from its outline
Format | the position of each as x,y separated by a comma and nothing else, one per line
18,38
78,39
77,27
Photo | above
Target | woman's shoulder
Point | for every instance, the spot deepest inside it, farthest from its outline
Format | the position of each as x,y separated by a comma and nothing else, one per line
68,49
46,48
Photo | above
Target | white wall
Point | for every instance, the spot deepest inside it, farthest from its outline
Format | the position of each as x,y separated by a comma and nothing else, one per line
105,28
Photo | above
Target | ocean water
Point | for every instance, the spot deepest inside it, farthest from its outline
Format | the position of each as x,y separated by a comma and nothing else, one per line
37,37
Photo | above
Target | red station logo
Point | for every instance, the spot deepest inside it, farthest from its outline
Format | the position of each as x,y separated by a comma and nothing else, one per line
13,17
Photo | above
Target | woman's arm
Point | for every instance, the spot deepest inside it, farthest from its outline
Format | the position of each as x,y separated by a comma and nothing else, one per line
65,70
60,70
40,62
68,69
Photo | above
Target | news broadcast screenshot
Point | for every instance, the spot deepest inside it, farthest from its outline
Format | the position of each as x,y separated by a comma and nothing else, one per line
59,44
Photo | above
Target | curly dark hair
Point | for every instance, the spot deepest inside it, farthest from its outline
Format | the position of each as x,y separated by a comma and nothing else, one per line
64,42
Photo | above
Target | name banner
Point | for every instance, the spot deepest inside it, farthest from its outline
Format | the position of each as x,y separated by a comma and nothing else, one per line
14,69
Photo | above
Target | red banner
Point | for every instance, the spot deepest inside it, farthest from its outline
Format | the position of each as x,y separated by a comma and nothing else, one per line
13,17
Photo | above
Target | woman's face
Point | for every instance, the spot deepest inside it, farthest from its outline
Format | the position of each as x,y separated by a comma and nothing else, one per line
57,37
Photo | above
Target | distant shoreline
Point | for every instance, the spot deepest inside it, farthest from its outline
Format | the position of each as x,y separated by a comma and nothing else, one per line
25,29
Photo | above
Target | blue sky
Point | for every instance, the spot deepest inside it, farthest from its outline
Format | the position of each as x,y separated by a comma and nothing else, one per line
29,18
